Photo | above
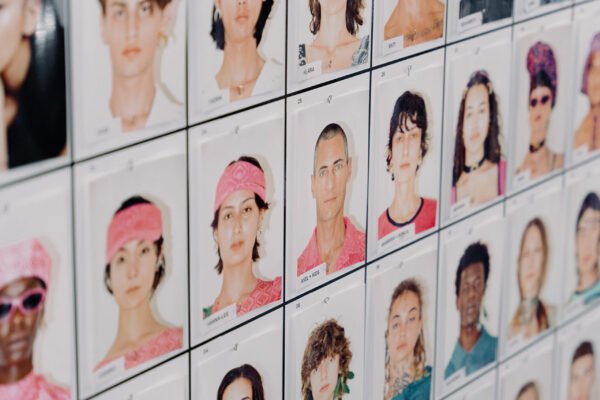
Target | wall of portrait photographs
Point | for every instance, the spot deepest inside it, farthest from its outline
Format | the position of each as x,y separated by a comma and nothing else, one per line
307,199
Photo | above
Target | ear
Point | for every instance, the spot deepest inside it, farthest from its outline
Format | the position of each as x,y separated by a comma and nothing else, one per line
168,16
103,28
349,168
33,9
312,185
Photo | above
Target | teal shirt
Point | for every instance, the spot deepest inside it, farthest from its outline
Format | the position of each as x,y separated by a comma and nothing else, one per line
417,390
481,355
589,295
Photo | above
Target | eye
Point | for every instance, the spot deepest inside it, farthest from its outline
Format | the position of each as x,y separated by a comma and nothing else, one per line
146,9
322,173
146,249
227,216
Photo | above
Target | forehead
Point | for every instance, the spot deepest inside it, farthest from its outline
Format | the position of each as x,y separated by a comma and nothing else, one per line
18,286
406,301
584,361
330,148
477,93
237,198
473,271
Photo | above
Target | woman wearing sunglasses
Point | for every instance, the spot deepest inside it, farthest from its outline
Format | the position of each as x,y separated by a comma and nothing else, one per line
543,76
25,270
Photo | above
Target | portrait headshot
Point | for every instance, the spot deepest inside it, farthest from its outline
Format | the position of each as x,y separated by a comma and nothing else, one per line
587,134
491,10
582,374
33,125
528,391
243,382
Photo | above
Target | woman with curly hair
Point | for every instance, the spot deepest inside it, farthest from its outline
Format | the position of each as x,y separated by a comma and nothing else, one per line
406,375
326,363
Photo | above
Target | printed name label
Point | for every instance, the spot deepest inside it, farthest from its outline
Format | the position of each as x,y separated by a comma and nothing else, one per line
309,71
458,376
470,22
580,153
311,276
531,5
216,100
393,45
522,178
460,207
395,238
221,317
114,368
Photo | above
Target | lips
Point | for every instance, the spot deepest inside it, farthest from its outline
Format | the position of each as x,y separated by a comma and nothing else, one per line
241,19
131,52
18,343
475,136
404,165
237,245
324,388
132,289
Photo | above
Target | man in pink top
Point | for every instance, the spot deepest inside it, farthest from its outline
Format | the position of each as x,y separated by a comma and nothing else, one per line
335,242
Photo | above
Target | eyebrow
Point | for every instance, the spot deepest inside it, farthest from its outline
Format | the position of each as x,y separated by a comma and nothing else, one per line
339,160
243,201
409,311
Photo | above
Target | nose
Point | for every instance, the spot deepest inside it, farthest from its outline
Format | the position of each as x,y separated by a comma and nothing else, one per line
133,268
132,25
323,371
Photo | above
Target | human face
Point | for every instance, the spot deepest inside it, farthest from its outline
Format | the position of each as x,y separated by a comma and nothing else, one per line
238,223
18,332
239,18
582,378
132,271
587,242
470,294
531,263
132,29
404,327
18,19
529,394
333,7
332,173
240,389
540,110
406,152
476,121
593,87
323,379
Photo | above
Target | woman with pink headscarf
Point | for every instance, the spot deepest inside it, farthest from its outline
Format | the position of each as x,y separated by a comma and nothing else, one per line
588,134
25,270
135,267
239,210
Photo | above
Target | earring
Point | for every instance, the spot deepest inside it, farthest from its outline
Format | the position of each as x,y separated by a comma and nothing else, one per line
217,14
163,38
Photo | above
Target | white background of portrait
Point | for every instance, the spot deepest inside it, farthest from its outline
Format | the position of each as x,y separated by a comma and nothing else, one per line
426,79
490,54
579,183
417,262
259,344
553,30
41,208
299,33
349,107
584,328
156,171
205,59
260,134
487,228
343,301
91,79
586,26
535,364
169,380
544,202
527,8
483,388
383,10
453,16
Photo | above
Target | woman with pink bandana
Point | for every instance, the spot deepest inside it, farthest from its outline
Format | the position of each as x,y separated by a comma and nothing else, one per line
588,133
25,270
239,210
135,266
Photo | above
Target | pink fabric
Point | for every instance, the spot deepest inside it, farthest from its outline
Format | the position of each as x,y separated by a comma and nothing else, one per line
541,58
501,183
33,387
169,340
264,293
425,219
353,251
138,222
240,175
25,259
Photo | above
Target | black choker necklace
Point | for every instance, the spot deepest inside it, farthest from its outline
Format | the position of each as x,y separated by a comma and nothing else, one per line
467,169
533,149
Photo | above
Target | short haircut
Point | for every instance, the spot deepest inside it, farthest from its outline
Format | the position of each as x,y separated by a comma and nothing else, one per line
475,253
353,18
584,349
247,372
590,202
329,132
217,30
160,3
531,385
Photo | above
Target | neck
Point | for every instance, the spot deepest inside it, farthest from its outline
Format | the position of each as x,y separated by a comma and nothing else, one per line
135,323
588,278
469,335
473,158
15,73
15,372
238,281
595,109
132,97
333,30
241,63
410,8
330,234
406,200
537,139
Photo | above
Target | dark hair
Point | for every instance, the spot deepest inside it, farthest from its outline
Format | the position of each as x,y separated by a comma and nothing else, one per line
217,30
326,340
262,205
584,349
409,106
160,3
160,271
492,150
329,132
531,385
247,372
353,18
591,201
476,253
542,79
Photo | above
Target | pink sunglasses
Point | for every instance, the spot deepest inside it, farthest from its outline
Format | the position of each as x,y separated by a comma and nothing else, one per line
28,302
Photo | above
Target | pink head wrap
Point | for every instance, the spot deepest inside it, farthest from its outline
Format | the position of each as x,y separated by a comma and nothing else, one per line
595,47
241,175
26,259
138,222
540,58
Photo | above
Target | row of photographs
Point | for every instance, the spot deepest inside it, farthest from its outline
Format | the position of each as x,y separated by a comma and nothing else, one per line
131,68
502,277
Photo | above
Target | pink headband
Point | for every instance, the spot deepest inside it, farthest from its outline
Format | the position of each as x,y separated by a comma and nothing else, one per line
138,222
26,259
241,175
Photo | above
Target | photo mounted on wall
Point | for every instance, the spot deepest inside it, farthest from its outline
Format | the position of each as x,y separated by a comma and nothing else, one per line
37,329
132,257
406,26
327,141
471,267
530,8
324,342
472,17
401,323
542,66
33,124
243,364
236,54
406,139
128,71
327,39
236,214
483,388
585,141
477,113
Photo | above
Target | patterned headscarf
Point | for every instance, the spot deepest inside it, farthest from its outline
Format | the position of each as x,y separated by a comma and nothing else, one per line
540,58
